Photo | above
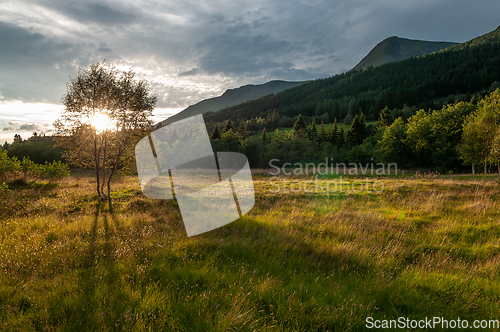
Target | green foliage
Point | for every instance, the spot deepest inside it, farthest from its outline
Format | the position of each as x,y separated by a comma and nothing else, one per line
215,134
227,127
263,136
299,127
358,129
394,144
385,118
10,167
38,149
312,133
479,142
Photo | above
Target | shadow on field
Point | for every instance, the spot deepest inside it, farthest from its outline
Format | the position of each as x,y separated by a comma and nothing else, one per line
101,299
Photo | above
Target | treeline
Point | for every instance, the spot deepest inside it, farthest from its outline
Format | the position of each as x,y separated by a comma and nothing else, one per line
458,134
11,168
427,82
38,148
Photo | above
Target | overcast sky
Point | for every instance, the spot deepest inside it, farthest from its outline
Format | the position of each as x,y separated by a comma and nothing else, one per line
192,50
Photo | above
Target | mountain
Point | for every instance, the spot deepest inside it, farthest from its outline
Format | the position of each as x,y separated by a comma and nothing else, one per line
232,97
395,49
492,37
460,71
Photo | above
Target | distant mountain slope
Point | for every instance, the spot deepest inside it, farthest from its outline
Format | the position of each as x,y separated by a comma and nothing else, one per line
396,49
492,37
469,68
232,97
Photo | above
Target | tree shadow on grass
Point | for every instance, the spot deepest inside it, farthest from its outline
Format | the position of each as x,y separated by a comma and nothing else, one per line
102,299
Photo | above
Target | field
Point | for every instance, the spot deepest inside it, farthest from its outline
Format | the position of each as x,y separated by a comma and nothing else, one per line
424,246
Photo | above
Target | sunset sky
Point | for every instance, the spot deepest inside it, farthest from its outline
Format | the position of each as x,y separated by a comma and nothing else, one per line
193,50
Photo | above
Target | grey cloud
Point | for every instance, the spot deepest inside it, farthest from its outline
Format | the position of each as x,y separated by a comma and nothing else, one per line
191,72
8,129
30,127
225,45
99,13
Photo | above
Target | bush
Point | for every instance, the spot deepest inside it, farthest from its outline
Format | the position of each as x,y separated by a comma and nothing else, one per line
51,171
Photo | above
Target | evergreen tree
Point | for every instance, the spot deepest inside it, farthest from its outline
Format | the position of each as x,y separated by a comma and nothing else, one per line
17,138
358,129
299,127
312,135
242,131
385,118
263,137
333,136
229,126
341,139
322,134
215,133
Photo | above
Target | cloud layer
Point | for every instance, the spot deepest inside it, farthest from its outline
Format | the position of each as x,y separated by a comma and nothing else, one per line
193,50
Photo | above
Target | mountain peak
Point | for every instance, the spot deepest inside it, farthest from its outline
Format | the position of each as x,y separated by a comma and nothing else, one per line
395,48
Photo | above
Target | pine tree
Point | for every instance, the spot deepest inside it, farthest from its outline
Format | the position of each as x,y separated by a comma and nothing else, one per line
263,137
241,130
229,125
322,134
312,135
385,118
334,134
299,127
358,129
215,133
341,139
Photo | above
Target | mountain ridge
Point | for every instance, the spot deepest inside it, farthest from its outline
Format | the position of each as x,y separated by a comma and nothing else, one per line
233,97
396,48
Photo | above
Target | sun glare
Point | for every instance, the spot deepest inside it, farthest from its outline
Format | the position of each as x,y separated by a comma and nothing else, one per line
100,122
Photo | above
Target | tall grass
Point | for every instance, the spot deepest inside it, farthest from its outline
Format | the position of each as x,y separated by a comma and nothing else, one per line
425,246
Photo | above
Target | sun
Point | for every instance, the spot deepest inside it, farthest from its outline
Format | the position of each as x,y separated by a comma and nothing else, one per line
100,122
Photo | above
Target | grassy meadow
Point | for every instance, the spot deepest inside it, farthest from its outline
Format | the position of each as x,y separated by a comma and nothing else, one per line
427,245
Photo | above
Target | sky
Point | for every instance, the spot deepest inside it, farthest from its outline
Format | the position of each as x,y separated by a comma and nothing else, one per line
193,50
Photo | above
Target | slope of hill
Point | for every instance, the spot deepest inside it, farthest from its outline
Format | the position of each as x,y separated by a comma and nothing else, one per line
232,97
492,37
396,49
467,68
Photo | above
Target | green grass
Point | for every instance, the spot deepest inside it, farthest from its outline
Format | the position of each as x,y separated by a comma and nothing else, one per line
425,246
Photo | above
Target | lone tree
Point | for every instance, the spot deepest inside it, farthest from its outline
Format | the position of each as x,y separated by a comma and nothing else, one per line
105,114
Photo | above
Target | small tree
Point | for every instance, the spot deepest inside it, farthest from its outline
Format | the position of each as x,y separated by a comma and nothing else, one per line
229,126
215,133
313,132
105,114
263,137
385,118
299,127
242,131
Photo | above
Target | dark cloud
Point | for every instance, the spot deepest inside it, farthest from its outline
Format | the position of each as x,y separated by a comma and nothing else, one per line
191,72
9,129
95,13
193,50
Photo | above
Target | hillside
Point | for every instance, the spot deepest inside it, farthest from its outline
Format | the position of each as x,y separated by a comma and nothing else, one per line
469,68
233,97
492,37
397,49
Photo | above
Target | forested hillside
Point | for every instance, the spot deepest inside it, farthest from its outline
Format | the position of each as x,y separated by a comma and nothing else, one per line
423,82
